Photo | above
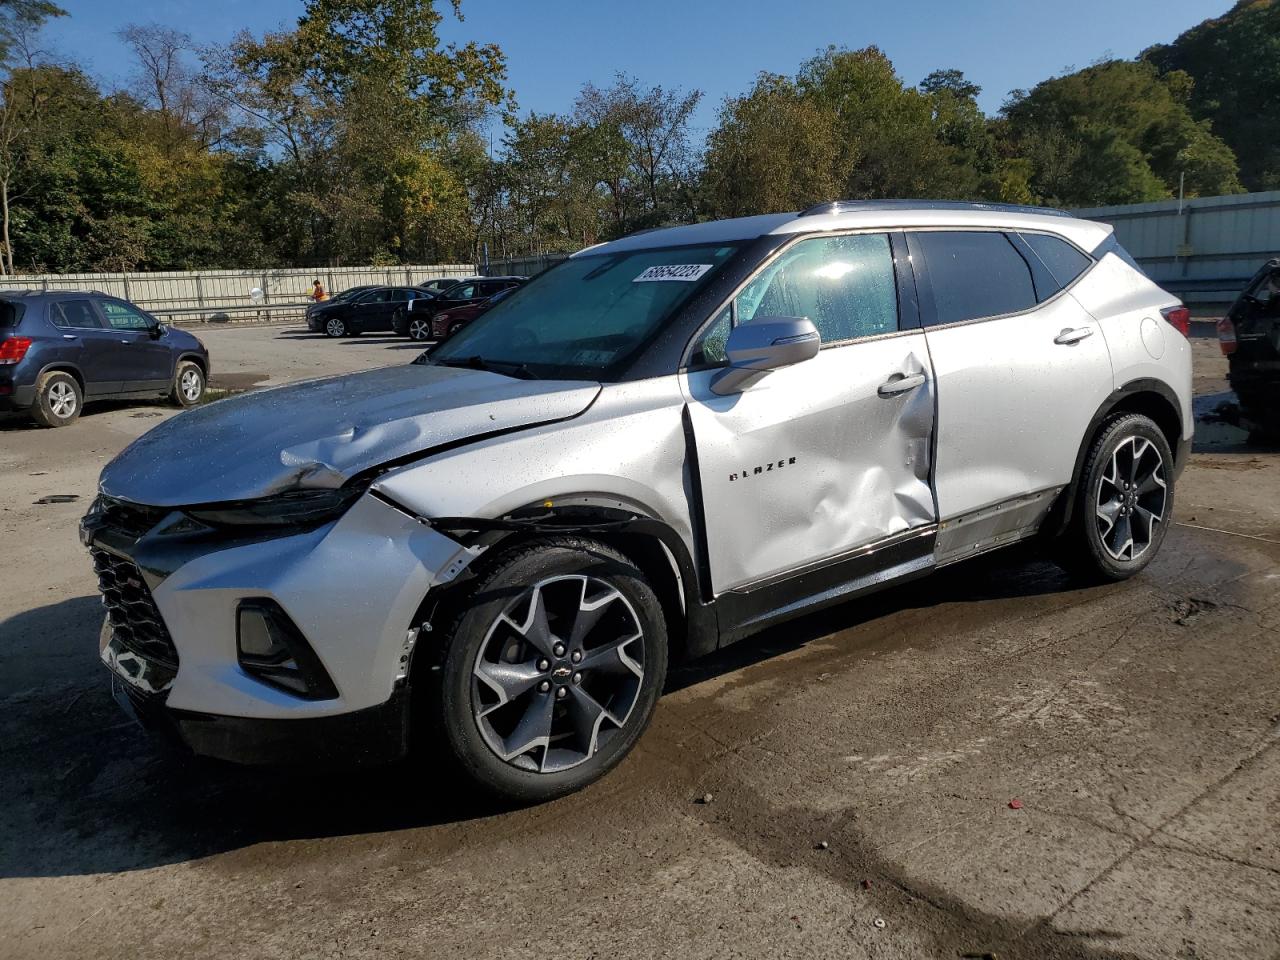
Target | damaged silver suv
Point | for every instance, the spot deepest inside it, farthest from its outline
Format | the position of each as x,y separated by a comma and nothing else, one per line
654,449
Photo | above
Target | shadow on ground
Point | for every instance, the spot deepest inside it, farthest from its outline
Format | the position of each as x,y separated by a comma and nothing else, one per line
89,792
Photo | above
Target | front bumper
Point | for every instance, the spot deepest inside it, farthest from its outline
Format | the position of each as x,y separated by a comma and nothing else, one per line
353,587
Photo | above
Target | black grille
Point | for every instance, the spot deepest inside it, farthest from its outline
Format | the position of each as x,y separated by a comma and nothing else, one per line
131,519
135,620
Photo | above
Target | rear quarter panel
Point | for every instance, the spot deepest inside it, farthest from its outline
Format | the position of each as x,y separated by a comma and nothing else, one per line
1142,343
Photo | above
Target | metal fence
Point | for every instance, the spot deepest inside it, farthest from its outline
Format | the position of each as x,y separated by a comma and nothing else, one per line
228,294
1203,250
524,266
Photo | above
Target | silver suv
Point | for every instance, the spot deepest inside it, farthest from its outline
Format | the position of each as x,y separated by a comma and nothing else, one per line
658,447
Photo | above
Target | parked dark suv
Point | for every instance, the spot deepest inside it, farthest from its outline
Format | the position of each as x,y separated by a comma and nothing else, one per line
414,319
367,311
58,350
1250,337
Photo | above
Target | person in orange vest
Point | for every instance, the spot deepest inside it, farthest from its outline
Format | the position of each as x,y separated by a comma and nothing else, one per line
317,292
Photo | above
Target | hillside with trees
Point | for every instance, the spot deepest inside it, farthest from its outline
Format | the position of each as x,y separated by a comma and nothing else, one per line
359,136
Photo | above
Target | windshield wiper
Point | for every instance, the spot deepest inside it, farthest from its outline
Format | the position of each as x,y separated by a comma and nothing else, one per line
477,362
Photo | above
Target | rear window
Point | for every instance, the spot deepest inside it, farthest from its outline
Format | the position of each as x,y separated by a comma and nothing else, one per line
11,313
975,274
1064,261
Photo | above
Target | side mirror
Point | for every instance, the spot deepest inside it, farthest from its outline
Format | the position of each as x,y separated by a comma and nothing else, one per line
763,344
157,331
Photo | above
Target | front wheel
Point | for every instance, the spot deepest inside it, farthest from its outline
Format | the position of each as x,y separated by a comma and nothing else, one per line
1124,503
553,670
188,384
335,327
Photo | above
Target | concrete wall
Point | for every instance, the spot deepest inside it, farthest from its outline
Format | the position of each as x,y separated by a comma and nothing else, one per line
1205,252
200,295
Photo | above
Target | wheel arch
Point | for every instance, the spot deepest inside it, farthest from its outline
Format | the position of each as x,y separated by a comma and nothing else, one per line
649,542
196,359
1151,398
63,366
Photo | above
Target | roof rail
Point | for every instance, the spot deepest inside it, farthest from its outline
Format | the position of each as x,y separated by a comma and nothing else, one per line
852,206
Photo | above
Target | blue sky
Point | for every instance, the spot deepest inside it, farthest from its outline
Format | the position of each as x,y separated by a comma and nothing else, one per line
716,46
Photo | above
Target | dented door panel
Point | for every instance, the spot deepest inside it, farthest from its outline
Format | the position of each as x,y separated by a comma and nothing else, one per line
812,461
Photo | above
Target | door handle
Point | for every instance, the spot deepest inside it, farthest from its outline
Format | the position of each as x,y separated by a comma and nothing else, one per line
69,336
1069,336
900,383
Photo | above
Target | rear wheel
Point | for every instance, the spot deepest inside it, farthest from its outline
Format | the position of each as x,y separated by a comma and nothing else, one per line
553,670
1124,503
58,400
420,329
335,327
188,384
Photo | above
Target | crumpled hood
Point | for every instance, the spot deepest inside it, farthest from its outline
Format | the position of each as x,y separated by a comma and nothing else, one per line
320,433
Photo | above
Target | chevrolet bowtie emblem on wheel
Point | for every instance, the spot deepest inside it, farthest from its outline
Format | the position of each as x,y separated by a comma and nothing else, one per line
561,673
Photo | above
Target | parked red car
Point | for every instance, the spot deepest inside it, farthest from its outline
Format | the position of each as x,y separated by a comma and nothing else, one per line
448,322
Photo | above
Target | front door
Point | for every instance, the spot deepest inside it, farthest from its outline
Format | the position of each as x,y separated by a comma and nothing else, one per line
146,362
830,456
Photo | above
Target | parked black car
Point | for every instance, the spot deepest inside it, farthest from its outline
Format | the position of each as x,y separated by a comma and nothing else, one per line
368,310
58,350
414,320
1250,338
314,323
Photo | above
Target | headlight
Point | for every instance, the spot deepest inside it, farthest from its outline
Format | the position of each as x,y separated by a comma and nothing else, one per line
299,508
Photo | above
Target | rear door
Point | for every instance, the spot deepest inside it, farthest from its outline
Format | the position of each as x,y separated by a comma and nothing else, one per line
1256,318
1021,370
97,350
829,457
146,363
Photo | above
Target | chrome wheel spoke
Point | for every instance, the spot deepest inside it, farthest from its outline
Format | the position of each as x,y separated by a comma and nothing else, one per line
587,715
534,728
612,658
507,680
1108,512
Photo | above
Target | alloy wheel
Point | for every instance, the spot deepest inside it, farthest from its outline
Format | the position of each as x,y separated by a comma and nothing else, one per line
62,400
1131,500
335,327
558,674
190,385
420,329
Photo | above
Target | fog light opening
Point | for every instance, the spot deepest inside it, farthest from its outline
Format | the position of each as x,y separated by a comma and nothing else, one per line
271,648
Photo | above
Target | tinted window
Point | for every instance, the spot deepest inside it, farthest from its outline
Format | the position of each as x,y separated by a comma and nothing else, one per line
975,274
121,316
463,291
845,285
1064,261
75,313
375,296
11,313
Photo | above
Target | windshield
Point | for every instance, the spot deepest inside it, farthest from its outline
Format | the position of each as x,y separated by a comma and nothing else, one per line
586,316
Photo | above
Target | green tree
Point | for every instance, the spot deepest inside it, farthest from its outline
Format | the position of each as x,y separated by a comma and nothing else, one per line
1235,62
1116,132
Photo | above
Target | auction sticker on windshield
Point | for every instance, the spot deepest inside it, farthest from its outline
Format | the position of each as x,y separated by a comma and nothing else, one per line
673,271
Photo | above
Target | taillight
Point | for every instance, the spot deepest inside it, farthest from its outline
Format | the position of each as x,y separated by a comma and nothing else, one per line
14,349
1179,318
1227,336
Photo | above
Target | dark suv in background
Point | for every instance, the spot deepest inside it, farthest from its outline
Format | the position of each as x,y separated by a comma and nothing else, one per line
1250,338
414,319
58,350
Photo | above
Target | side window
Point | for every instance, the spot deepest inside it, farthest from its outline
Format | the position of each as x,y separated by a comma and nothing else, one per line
845,285
121,316
708,351
975,274
376,296
1064,261
464,292
75,313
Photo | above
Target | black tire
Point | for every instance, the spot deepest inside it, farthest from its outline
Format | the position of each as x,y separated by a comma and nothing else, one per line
188,384
457,698
335,327
59,400
1090,548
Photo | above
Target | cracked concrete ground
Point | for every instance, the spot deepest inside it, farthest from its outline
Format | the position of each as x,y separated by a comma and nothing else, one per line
1137,724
